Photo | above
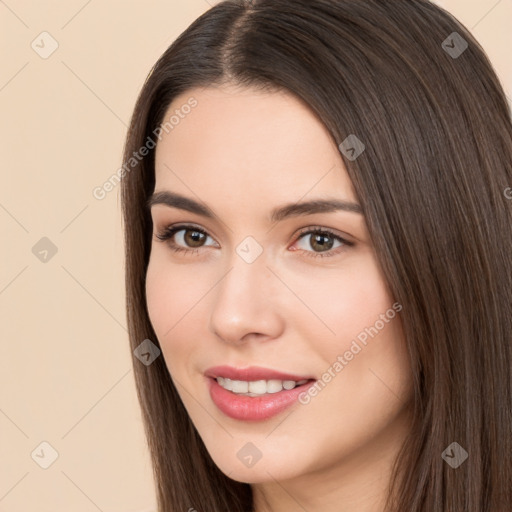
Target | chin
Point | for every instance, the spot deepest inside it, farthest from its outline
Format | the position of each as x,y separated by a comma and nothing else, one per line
267,469
255,475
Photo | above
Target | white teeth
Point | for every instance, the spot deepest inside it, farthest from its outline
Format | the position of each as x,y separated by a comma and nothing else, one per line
257,387
288,384
274,386
239,386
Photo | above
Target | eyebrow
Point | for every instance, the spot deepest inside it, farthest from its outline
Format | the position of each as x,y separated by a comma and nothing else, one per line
174,200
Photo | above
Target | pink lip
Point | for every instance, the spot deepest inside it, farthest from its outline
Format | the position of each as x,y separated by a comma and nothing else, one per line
258,408
252,373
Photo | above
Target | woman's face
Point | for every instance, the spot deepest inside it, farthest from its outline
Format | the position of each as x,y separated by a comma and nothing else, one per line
299,292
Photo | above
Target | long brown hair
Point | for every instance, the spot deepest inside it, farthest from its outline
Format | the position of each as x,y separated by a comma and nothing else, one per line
432,182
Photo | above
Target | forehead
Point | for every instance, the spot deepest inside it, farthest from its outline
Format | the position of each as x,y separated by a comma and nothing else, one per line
247,145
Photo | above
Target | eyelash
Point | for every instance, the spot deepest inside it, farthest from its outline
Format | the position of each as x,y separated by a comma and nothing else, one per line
170,231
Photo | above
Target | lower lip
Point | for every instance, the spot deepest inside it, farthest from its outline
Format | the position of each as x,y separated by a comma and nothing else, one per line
257,408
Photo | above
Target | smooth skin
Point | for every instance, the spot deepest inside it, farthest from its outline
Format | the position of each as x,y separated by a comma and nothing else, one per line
296,308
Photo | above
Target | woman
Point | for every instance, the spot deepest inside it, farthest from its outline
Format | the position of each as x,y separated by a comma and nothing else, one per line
318,241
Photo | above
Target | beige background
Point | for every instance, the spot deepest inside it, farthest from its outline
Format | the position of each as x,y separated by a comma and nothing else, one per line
65,365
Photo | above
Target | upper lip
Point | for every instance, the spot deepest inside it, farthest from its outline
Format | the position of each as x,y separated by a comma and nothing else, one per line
252,373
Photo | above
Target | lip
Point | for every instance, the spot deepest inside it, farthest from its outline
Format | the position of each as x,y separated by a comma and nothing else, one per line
252,373
257,408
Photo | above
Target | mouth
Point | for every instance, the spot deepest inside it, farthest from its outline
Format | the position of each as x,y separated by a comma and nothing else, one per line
253,373
258,387
254,394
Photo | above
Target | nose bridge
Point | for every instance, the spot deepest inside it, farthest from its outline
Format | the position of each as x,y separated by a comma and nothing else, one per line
245,279
242,302
248,269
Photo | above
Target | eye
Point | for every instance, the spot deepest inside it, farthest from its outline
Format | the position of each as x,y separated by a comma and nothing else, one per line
322,240
190,239
184,238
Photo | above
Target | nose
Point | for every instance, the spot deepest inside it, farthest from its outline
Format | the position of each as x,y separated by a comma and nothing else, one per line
246,303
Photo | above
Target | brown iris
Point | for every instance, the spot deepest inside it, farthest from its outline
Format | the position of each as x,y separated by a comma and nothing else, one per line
324,242
194,238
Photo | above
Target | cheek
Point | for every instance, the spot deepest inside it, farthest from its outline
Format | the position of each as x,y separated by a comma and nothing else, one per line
171,296
170,293
177,298
356,333
346,301
160,294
